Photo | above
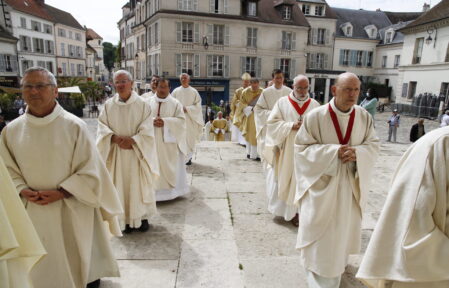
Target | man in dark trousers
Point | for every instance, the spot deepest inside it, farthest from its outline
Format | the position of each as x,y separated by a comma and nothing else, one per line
417,130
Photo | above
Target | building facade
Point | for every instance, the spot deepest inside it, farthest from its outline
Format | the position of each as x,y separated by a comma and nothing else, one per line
9,68
95,42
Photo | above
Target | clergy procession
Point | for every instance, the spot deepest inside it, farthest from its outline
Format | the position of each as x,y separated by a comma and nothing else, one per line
65,196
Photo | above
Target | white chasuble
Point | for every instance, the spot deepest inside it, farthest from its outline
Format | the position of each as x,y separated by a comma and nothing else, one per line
332,195
52,152
191,100
280,140
133,171
171,148
262,110
410,244
20,246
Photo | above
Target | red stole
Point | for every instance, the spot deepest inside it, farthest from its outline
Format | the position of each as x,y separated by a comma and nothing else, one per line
298,109
343,141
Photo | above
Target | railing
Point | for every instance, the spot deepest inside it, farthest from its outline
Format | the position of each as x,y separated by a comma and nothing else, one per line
417,111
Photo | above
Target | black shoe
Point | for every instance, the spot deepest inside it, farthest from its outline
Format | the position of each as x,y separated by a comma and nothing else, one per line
257,159
127,230
93,284
145,226
247,156
189,162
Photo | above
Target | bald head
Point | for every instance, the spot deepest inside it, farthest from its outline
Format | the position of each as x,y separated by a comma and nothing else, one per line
345,76
346,91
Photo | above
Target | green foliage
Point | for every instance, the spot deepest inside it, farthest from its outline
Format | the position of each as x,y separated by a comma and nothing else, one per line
118,53
7,101
78,99
109,55
92,90
215,108
69,81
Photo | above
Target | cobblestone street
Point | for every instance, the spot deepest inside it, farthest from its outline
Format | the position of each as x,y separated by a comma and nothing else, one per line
221,234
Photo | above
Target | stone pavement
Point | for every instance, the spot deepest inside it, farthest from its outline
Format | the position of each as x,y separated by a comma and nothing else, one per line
221,234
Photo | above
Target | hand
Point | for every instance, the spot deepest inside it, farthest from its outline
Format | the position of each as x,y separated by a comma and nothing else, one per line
347,154
30,195
116,139
185,109
297,125
127,143
49,196
158,122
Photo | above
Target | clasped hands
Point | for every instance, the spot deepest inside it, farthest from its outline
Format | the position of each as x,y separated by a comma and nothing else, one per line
158,122
297,125
123,142
44,197
347,154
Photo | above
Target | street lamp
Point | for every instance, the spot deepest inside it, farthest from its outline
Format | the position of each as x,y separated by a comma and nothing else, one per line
430,32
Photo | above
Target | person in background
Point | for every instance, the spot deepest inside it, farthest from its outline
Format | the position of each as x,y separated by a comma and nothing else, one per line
393,124
417,130
370,102
445,119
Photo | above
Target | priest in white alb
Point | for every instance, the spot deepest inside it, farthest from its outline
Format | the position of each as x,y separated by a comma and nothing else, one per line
191,102
153,86
125,139
265,104
65,186
335,151
236,115
409,247
170,135
20,246
283,124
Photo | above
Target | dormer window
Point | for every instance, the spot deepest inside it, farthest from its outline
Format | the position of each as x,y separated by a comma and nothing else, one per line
252,9
306,9
286,12
371,31
347,29
319,10
389,36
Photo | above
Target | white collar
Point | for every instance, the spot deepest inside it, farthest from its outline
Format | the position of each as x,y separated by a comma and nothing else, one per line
166,99
130,100
337,111
42,121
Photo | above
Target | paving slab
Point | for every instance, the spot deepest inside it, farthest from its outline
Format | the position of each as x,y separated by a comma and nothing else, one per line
248,203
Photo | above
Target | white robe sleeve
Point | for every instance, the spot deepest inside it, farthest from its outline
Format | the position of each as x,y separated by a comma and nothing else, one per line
177,126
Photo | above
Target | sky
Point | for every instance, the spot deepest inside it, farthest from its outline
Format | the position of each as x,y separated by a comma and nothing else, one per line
103,15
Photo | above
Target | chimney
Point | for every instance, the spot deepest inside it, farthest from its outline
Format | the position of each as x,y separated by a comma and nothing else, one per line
425,7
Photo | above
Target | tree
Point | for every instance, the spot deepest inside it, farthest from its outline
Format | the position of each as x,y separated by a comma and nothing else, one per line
118,53
93,91
109,55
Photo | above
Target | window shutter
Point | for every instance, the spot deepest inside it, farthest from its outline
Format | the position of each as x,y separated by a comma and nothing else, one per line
225,6
2,62
178,32
178,64
179,4
242,65
212,6
226,66
325,61
327,37
277,63
293,68
353,59
283,40
293,40
259,67
313,60
195,5
310,37
209,65
196,65
159,40
210,34
226,36
342,57
314,36
255,38
196,35
364,58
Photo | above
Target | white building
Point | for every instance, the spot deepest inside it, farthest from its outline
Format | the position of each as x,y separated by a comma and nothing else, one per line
9,70
424,66
95,41
127,38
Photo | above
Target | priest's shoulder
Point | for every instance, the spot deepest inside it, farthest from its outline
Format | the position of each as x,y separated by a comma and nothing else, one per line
360,109
72,120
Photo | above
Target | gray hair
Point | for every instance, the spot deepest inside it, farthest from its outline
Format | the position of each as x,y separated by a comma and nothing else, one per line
184,74
299,78
123,72
51,78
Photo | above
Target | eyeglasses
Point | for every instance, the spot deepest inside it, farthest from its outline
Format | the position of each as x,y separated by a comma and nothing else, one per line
39,87
301,88
121,82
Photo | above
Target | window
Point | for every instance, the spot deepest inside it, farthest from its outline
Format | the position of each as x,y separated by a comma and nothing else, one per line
286,12
36,26
70,34
142,43
388,37
359,58
72,69
78,37
218,36
321,34
252,9
217,65
446,59
62,49
397,59
412,89
186,63
25,43
349,31
188,5
444,90
61,32
156,33
8,63
285,67
306,9
369,59
38,45
48,29
64,69
384,61
319,10
23,22
49,66
218,6
41,64
187,32
251,39
417,53
288,40
80,69
149,37
27,64
250,66
344,60
317,61
49,47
